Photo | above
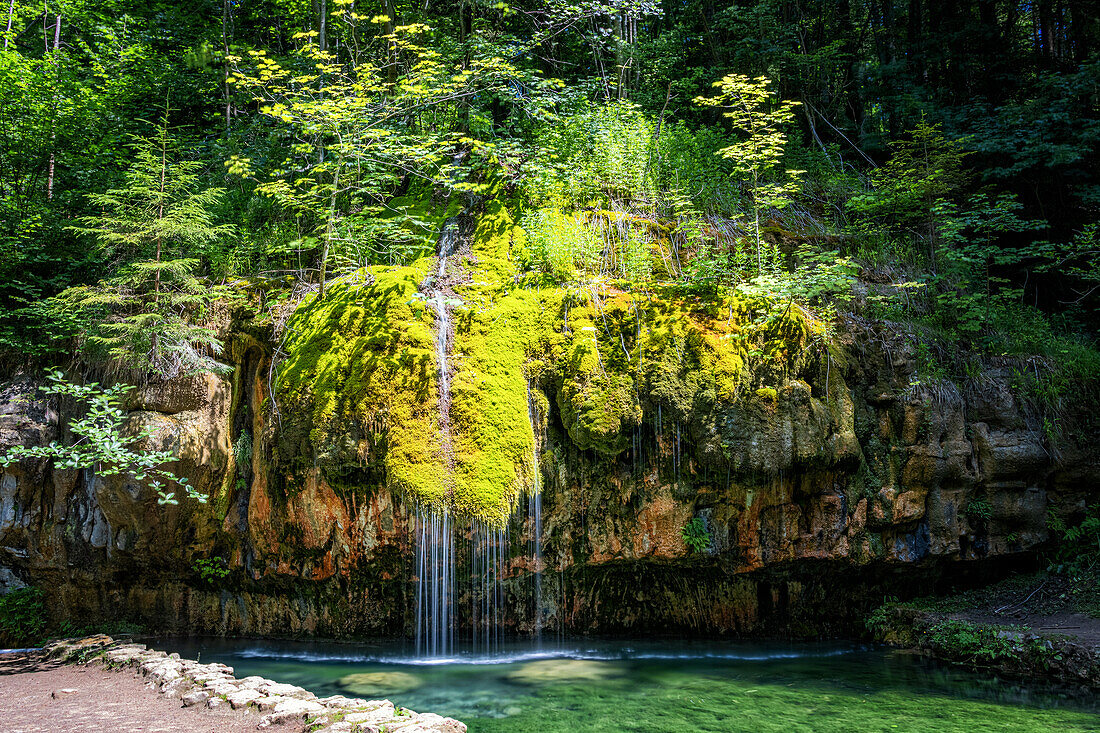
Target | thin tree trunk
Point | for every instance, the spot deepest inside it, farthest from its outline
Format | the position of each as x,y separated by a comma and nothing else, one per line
331,218
225,52
160,202
391,45
53,131
7,31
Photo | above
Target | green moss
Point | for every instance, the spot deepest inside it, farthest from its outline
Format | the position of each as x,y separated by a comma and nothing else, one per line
359,384
359,388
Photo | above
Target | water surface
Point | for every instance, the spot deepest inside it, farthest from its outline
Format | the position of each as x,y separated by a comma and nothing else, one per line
570,686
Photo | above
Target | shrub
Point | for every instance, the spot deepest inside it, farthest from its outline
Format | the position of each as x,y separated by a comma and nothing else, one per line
22,617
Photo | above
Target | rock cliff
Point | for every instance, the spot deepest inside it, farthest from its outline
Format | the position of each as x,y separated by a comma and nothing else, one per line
816,472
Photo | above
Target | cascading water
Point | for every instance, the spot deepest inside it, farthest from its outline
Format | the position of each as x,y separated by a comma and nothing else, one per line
534,515
435,542
435,565
488,558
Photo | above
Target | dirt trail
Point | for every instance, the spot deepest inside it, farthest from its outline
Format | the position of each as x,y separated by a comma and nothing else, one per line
114,701
1085,628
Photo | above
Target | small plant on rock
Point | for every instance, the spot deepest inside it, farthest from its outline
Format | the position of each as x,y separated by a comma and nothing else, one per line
100,441
211,569
696,536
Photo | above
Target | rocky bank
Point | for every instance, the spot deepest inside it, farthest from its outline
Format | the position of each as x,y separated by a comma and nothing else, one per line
274,704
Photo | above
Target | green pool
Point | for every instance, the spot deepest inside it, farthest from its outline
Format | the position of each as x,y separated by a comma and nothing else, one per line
570,686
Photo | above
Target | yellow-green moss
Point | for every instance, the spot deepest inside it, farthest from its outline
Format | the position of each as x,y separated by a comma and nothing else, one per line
496,330
360,382
361,375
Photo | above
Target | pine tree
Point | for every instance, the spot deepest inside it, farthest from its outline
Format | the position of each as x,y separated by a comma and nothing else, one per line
145,313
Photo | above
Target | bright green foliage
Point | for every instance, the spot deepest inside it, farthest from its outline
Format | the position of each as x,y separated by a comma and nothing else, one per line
1078,549
144,315
101,442
595,157
924,171
695,535
211,570
353,143
561,245
761,121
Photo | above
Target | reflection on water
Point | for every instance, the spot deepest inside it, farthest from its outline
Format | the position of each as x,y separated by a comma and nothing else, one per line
650,686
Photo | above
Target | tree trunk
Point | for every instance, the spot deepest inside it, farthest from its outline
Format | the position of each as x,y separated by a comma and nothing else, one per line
226,10
391,62
53,132
7,31
160,201
330,222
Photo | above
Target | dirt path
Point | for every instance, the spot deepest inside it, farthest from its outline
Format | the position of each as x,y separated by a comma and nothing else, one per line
1084,628
114,701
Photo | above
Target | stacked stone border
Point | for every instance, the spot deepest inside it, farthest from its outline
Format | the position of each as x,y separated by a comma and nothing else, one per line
214,686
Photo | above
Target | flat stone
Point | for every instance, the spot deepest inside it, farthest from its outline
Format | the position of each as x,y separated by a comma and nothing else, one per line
344,703
216,702
546,671
292,709
63,692
221,688
343,727
242,698
195,698
252,683
380,714
265,704
177,687
278,688
380,683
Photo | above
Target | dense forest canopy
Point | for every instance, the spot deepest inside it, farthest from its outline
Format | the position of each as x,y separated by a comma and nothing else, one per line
930,164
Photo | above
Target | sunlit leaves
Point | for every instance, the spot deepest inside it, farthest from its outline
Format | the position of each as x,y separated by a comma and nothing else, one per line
102,443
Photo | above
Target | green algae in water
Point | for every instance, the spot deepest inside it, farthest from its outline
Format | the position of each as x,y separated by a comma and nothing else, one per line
651,686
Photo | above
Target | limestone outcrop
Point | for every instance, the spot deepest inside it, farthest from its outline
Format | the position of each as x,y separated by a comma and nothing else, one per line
819,473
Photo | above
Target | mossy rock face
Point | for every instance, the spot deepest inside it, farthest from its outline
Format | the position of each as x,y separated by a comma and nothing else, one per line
358,393
359,385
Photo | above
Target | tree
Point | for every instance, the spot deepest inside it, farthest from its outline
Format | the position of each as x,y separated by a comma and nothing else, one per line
924,171
145,313
355,132
760,118
101,444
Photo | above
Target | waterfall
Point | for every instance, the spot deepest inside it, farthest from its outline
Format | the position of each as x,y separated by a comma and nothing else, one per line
435,581
442,329
488,558
534,515
448,241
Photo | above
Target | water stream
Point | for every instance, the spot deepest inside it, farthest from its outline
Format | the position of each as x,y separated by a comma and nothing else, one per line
710,686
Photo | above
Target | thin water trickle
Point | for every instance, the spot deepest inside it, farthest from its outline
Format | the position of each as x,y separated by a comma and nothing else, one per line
534,514
435,580
488,560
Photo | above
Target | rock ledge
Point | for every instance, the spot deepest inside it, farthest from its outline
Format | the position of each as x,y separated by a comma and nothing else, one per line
214,686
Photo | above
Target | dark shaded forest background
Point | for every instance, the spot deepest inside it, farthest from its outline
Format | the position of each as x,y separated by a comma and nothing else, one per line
157,158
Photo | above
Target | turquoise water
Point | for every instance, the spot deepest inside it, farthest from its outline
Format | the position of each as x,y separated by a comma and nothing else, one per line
664,686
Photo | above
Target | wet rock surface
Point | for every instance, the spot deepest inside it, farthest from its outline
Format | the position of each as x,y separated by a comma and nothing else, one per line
836,484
